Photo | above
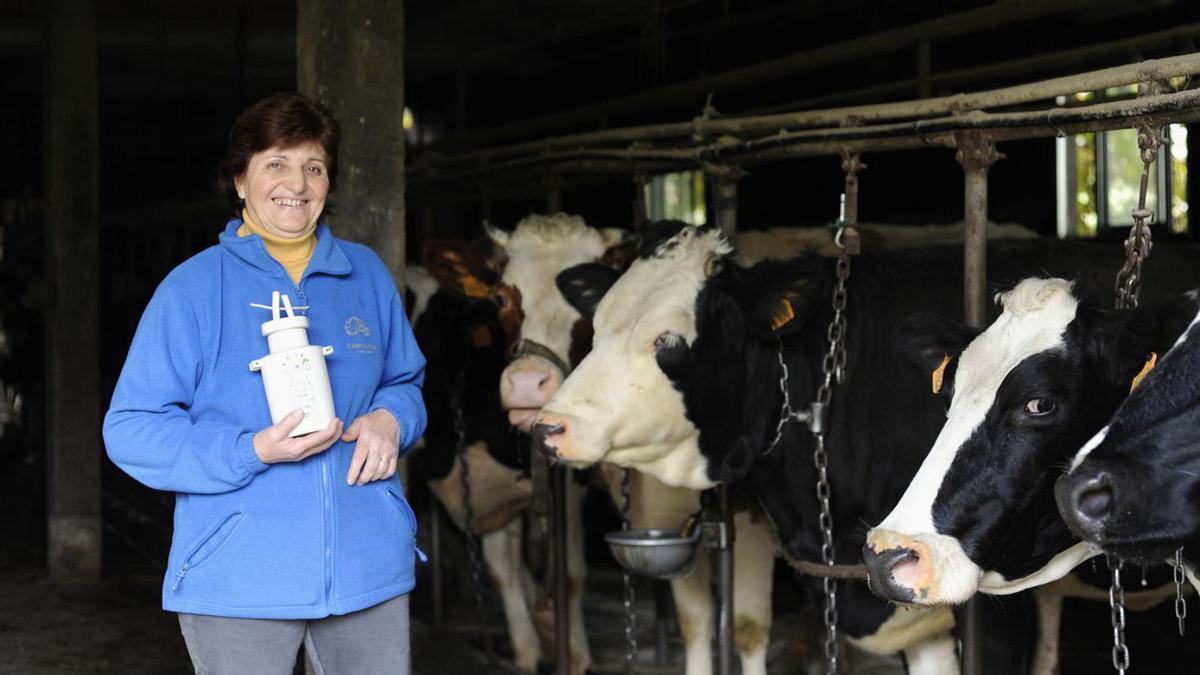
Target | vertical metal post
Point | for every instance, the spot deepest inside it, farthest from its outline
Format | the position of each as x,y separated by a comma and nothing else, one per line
562,618
724,180
725,587
976,154
662,617
639,200
435,562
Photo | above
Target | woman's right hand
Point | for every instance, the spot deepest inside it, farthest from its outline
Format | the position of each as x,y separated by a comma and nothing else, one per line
274,445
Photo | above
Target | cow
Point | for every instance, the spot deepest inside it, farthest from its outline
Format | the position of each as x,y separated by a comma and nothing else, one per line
685,378
465,349
1020,395
519,269
1132,488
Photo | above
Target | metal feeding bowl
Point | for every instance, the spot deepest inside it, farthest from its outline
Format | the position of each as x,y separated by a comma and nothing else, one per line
662,554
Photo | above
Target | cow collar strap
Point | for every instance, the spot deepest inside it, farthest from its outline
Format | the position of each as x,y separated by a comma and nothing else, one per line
814,416
530,348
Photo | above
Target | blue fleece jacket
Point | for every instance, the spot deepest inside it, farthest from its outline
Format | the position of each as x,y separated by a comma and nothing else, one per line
285,540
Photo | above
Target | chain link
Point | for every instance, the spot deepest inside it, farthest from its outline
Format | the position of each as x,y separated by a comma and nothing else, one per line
1116,603
631,646
473,554
833,366
1180,579
1138,244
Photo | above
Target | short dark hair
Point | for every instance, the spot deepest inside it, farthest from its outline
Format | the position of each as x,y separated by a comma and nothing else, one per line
285,119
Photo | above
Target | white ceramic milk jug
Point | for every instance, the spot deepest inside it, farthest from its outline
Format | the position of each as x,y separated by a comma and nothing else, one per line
294,373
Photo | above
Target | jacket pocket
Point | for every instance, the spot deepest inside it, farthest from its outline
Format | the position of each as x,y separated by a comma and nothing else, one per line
212,541
405,510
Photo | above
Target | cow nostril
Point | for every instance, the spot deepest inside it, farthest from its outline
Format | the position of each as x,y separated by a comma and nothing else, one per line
542,433
1095,502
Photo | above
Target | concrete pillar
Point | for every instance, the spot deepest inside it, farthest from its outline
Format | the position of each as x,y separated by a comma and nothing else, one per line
72,196
350,57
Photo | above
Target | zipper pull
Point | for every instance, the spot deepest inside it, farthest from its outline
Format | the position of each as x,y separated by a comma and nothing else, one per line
179,577
420,554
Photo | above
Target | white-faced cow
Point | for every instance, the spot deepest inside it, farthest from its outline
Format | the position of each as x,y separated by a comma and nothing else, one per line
1021,396
684,383
519,270
1134,488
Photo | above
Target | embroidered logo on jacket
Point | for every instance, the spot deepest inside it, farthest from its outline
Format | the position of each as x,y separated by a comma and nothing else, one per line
356,326
357,329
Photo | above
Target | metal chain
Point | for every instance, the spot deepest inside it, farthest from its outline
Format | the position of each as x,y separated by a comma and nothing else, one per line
1138,244
833,366
1180,579
1116,602
464,476
631,646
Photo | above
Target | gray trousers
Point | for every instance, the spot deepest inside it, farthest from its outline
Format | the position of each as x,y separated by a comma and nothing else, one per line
373,641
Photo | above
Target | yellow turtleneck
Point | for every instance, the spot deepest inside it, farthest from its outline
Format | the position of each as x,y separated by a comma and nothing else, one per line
293,254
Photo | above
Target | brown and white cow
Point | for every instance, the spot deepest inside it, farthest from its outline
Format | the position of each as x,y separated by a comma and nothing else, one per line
519,269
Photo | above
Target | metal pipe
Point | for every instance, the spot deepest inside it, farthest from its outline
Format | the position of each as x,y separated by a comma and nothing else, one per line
1177,107
942,106
553,195
435,563
976,154
562,618
725,587
662,620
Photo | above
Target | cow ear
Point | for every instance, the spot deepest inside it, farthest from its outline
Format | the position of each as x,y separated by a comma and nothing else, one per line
930,341
1124,340
464,268
779,297
620,249
584,285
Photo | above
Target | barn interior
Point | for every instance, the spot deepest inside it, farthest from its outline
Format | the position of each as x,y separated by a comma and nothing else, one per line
167,78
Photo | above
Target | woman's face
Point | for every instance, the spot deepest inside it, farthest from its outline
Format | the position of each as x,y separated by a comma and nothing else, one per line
285,188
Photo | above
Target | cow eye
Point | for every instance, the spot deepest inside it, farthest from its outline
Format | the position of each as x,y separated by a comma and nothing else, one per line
668,340
1039,406
500,300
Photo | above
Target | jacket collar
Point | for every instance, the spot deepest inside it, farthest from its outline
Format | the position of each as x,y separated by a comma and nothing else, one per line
327,257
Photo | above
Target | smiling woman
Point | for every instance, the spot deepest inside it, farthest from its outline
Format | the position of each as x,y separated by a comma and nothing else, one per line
272,548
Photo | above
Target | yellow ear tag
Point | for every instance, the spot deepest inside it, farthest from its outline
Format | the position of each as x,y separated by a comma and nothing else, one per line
939,373
474,288
481,337
1151,361
785,315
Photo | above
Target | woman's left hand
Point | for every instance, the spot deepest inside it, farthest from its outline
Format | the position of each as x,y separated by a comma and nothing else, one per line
377,449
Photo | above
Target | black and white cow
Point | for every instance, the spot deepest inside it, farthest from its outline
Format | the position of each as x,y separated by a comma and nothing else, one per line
1134,488
1021,396
550,336
684,383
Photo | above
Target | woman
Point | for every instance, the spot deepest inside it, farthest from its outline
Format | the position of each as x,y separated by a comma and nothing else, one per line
278,540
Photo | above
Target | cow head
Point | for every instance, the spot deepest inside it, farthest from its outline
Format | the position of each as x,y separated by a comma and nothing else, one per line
518,270
674,385
1134,488
1021,395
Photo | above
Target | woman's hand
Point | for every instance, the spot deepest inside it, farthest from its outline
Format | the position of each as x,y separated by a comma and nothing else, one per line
274,445
377,449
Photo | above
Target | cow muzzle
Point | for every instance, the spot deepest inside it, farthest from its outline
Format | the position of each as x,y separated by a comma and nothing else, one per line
1085,500
556,436
525,386
919,569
